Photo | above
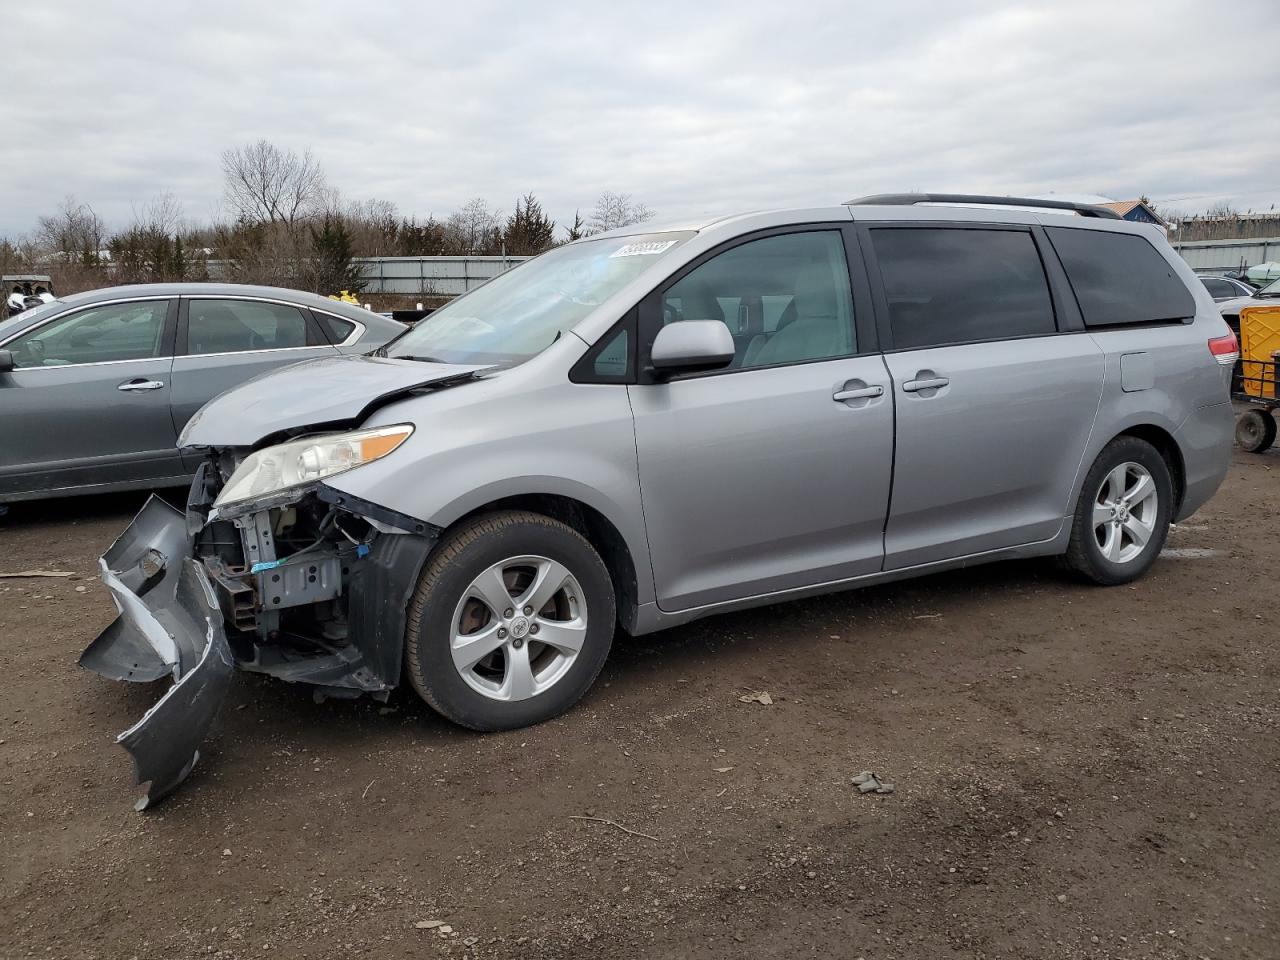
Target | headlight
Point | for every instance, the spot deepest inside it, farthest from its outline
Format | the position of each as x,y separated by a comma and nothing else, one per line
292,464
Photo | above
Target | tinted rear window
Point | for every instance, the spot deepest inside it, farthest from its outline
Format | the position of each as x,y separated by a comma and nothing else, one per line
1120,278
232,326
947,285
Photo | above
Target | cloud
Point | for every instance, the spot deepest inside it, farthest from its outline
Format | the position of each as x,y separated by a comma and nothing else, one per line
692,108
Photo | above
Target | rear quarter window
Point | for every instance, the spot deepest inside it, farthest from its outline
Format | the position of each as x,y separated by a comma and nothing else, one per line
1218,288
335,329
1120,278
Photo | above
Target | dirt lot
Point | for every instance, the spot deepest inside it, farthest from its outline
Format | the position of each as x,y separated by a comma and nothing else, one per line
1080,772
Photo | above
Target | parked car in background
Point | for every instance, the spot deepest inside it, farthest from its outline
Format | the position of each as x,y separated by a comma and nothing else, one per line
1225,288
650,426
96,387
1267,295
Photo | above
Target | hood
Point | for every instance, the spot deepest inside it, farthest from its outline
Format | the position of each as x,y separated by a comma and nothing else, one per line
332,393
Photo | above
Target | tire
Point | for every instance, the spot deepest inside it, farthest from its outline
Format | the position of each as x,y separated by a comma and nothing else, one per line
1104,546
1255,431
523,680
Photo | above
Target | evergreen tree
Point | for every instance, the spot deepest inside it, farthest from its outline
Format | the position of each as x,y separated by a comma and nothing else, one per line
578,230
529,230
331,258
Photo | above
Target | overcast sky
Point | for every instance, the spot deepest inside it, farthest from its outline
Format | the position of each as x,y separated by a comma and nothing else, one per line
690,107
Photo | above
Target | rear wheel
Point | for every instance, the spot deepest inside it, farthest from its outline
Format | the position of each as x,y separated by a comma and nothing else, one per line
511,622
1122,517
1255,431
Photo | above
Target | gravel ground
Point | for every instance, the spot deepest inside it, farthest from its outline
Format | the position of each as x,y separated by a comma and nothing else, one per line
1079,772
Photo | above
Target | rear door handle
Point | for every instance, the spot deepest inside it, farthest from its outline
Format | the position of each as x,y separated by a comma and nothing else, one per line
862,393
135,386
933,383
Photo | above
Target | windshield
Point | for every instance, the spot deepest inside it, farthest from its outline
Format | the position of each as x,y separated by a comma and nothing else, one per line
520,313
1272,289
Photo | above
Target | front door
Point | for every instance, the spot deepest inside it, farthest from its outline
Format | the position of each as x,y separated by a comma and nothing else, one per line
995,403
87,403
771,474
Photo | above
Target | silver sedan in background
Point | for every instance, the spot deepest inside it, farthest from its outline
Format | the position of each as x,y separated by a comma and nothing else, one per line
96,387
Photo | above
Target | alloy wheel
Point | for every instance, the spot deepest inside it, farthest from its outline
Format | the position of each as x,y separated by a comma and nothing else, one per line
1124,512
518,628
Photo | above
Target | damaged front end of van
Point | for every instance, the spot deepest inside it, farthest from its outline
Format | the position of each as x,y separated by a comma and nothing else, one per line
268,569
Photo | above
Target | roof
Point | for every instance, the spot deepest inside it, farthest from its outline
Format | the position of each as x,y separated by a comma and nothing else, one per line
891,209
218,289
196,289
982,201
301,297
1125,207
1120,206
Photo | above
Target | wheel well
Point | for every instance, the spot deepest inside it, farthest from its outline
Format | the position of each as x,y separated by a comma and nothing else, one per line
596,528
1163,441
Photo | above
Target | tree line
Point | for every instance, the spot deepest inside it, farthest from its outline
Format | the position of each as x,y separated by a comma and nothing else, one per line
285,225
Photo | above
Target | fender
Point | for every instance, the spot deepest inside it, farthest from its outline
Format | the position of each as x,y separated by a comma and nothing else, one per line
474,446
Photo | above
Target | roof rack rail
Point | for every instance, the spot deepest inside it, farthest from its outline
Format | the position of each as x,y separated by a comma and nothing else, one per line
911,199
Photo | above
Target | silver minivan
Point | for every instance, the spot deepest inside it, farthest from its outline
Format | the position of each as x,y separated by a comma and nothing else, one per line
653,425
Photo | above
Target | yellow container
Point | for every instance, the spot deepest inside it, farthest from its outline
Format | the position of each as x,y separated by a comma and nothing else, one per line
1259,344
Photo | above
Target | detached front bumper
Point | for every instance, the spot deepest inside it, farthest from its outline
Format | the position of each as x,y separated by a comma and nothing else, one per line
312,588
169,623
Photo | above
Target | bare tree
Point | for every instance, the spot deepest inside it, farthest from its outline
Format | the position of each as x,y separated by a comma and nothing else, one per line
267,184
473,230
374,226
615,210
162,214
257,252
21,254
74,234
10,256
152,249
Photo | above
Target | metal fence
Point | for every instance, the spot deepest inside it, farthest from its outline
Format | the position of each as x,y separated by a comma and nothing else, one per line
452,276
1217,256
431,276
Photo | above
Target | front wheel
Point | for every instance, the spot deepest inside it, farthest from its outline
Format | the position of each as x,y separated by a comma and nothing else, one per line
511,622
1122,516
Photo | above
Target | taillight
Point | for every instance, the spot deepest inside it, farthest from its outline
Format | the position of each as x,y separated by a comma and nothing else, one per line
1226,350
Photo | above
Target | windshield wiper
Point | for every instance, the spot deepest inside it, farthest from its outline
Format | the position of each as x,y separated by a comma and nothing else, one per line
419,358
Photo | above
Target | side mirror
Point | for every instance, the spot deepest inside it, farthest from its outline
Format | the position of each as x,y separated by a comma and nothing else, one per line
692,345
6,361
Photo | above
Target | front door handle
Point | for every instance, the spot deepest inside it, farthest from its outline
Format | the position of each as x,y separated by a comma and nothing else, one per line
134,386
930,383
862,393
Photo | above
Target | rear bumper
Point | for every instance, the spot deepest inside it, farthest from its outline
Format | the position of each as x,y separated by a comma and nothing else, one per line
168,624
1205,440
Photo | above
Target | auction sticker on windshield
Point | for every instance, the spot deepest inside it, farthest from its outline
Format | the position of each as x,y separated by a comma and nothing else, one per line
648,248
